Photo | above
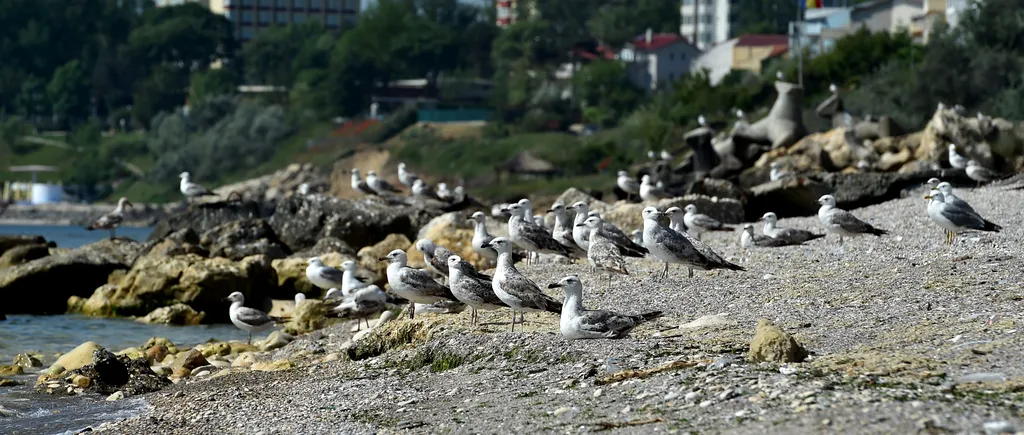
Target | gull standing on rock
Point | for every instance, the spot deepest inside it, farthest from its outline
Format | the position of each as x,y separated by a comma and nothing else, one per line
602,252
420,188
192,190
789,235
516,290
443,193
628,184
701,223
625,244
481,237
841,222
111,220
650,192
956,160
249,319
980,173
379,185
954,219
579,323
471,287
323,276
405,177
435,256
414,285
531,237
359,185
562,233
672,247
777,172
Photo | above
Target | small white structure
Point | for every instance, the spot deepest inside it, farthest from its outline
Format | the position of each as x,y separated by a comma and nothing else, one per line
40,193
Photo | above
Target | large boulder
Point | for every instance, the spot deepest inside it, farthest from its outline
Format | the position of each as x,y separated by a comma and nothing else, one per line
105,373
369,257
993,142
797,196
244,237
177,314
10,241
300,221
180,242
43,286
291,274
201,283
202,217
22,254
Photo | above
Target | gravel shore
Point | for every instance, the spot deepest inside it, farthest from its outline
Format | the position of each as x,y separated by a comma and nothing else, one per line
905,334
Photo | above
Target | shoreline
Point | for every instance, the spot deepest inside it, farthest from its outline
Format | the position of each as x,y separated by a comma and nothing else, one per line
58,222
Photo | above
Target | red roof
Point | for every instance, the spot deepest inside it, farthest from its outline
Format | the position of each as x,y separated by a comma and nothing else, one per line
761,40
602,52
778,51
658,41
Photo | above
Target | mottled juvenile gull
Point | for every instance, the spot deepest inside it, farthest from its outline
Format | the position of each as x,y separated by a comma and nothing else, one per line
249,319
111,220
749,239
405,177
414,285
956,160
435,256
471,287
192,190
701,223
841,222
701,247
323,276
651,192
981,174
379,185
481,237
359,185
562,231
789,235
579,323
625,244
602,253
531,237
673,247
954,219
627,184
514,289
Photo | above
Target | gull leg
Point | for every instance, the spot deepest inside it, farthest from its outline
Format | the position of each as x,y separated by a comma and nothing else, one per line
513,321
412,310
250,339
691,272
664,272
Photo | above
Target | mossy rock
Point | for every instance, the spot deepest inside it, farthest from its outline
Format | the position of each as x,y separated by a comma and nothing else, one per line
390,336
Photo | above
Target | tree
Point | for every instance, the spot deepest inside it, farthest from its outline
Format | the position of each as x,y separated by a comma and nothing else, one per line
619,21
277,55
68,91
604,85
214,82
758,16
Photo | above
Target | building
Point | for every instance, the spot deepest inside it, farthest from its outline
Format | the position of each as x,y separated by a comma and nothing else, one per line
750,51
708,22
249,16
508,11
823,26
716,61
655,60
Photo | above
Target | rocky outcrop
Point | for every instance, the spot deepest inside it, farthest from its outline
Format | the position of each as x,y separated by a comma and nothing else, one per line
105,374
202,217
284,182
180,242
993,142
22,254
43,286
242,238
177,314
300,221
8,242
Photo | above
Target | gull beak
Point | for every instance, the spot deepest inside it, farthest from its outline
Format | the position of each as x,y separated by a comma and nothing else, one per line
927,197
382,259
580,225
555,285
485,245
226,299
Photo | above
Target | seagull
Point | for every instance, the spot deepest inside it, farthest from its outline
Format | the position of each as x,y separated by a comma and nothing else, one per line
675,214
580,235
956,160
790,235
638,237
303,189
435,256
949,198
481,237
672,247
530,236
933,182
702,121
841,222
359,185
322,276
651,192
414,285
625,244
777,172
748,239
627,184
192,190
675,219
562,232
443,193
740,115
954,219
111,220
471,287
833,88
539,221
299,298
249,319
349,281
363,304
980,173
420,188
527,209
602,252
666,156
459,194
405,177
379,185
515,289
579,323
701,223
779,76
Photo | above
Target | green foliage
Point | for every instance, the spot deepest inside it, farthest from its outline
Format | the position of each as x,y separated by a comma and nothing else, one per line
604,86
758,16
213,82
393,124
68,91
619,21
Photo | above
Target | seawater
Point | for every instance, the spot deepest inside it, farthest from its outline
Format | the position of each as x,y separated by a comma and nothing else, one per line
24,411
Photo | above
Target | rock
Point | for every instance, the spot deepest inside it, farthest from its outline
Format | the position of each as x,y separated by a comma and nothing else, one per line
4,382
90,265
11,370
798,196
216,348
8,242
277,340
238,347
244,237
453,232
325,246
163,342
892,161
714,320
772,344
273,366
81,381
244,359
369,257
78,357
280,184
27,361
186,362
132,353
23,254
156,353
180,242
111,370
573,195
106,374
117,395
300,221
200,283
992,142
177,314
96,305
203,217
291,274
307,317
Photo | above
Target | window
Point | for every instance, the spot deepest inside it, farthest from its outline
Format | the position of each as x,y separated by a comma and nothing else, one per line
248,2
282,3
333,20
314,5
298,4
687,2
333,4
246,17
266,3
264,17
299,17
352,5
282,18
247,33
671,56
688,19
706,19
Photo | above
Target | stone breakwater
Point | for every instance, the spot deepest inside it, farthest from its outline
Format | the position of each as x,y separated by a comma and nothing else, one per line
141,215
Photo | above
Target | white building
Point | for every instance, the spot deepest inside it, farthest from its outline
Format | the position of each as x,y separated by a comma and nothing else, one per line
655,60
707,22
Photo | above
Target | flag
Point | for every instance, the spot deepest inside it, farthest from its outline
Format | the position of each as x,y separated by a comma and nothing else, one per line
811,4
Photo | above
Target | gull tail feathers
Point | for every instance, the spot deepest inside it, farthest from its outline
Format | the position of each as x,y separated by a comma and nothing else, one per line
989,226
877,231
552,306
647,317
814,236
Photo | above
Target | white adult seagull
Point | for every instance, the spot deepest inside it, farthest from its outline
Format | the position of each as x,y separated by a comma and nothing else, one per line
579,323
249,319
192,190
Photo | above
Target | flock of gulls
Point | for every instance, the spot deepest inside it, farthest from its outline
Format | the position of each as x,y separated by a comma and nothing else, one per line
672,236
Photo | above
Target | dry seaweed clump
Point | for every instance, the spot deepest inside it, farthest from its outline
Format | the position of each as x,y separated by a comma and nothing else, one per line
390,336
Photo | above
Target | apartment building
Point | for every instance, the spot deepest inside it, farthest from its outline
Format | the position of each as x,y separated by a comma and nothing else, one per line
249,16
708,22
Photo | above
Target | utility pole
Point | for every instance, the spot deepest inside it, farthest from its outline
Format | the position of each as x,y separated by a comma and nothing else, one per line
799,50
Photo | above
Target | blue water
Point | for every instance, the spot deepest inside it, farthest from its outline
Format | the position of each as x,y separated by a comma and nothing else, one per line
72,237
36,413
